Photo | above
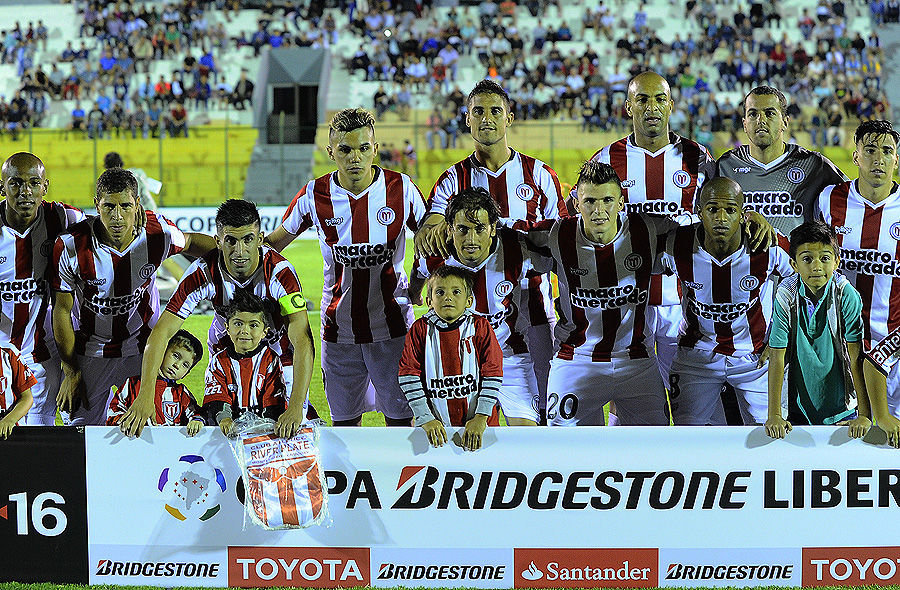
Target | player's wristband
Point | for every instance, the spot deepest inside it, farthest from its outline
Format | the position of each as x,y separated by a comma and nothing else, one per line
292,303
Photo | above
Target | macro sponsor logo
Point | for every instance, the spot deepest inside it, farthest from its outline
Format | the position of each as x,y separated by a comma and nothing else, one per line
403,571
586,568
115,305
157,569
311,567
773,203
657,207
869,262
851,566
719,312
362,255
608,297
23,290
681,571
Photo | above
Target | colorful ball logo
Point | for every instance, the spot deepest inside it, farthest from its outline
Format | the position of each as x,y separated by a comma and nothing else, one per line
192,488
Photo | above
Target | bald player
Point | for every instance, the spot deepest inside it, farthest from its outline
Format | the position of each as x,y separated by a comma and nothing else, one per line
28,228
661,173
725,284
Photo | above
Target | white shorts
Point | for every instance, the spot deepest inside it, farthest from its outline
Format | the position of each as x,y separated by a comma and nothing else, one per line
696,380
519,391
360,378
664,322
288,376
100,375
579,388
49,378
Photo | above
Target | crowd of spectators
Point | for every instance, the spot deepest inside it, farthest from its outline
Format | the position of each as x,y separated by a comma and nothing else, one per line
106,70
820,63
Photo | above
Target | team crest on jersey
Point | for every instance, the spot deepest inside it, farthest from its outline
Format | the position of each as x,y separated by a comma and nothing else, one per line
385,216
147,271
844,230
895,231
503,288
796,175
749,282
47,248
628,183
681,179
170,410
633,262
524,192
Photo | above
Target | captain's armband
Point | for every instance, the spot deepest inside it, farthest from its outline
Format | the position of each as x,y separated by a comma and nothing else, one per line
292,303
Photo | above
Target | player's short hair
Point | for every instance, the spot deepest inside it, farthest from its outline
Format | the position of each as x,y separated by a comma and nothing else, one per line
446,271
248,302
812,232
237,213
350,120
763,91
187,340
117,180
593,172
875,127
719,183
487,86
113,160
634,78
469,201
17,158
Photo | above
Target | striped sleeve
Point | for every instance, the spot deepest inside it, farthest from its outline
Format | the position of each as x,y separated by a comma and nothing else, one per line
444,189
189,408
555,205
411,370
63,275
216,388
415,203
298,216
175,238
490,366
119,402
194,287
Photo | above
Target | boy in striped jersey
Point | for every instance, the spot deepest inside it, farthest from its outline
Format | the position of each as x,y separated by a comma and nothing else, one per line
105,301
452,365
498,263
247,374
175,405
865,214
28,228
725,289
16,381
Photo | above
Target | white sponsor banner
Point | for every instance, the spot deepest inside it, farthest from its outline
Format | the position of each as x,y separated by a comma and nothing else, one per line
203,219
181,565
686,487
438,568
730,567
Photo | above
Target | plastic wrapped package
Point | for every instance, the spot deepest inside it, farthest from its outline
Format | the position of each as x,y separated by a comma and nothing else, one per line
283,477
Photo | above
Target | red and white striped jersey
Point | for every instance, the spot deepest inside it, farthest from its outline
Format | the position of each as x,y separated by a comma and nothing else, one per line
207,279
726,304
526,189
285,481
455,368
252,381
15,377
363,242
603,290
24,288
869,238
666,182
497,288
175,406
116,301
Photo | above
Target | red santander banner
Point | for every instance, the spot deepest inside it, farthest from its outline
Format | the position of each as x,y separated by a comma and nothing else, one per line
586,568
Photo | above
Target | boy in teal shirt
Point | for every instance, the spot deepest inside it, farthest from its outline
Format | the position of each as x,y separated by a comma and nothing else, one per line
817,327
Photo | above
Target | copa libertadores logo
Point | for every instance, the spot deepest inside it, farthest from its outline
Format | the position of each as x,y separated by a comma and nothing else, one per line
191,488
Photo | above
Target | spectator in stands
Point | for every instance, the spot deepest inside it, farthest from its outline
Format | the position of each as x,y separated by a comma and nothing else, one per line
78,119
178,122
435,128
243,91
96,121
